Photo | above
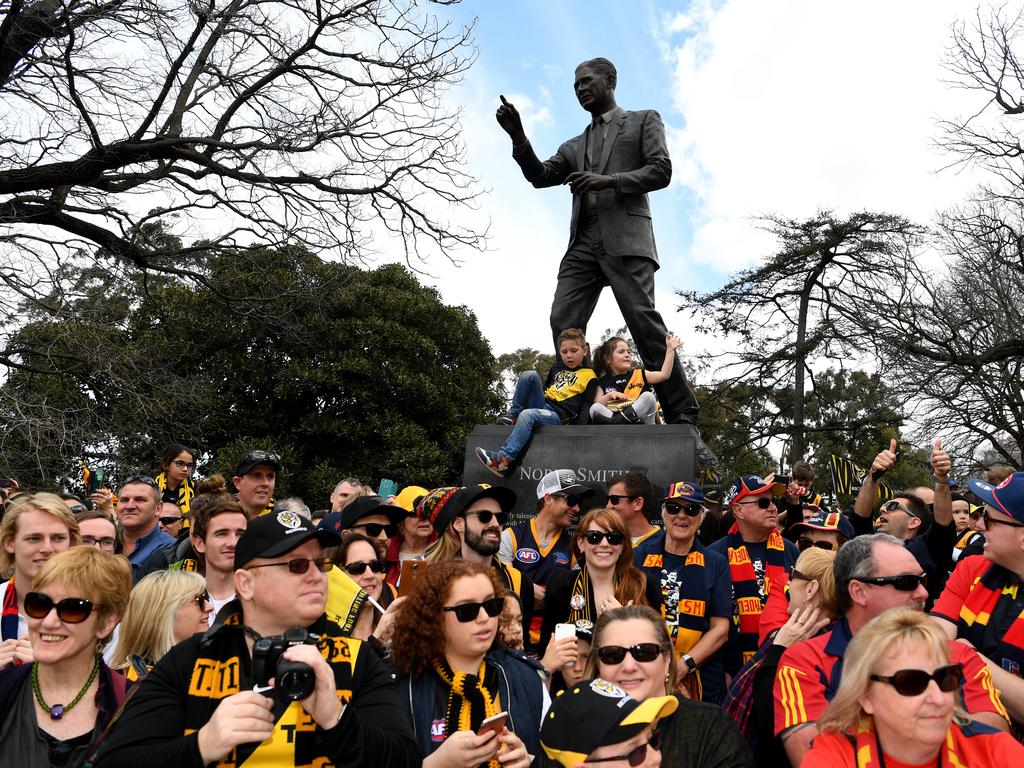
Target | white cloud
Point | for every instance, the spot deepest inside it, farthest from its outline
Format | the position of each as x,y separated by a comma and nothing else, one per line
791,107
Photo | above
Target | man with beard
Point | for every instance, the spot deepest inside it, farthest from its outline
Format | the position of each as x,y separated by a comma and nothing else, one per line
477,514
873,573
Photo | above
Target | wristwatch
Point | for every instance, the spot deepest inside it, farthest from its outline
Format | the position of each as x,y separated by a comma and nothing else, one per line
691,665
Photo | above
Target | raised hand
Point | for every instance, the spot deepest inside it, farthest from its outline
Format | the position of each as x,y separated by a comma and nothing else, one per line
942,464
884,461
510,121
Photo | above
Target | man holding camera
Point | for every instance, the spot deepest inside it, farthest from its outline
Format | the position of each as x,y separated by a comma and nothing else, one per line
273,681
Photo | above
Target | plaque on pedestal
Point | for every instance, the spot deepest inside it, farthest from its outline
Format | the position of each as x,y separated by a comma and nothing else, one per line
596,453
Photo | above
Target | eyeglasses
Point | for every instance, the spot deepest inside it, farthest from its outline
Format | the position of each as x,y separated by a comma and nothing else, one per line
202,599
485,516
914,682
144,479
572,499
762,503
616,654
892,504
989,520
615,498
169,520
593,538
804,543
374,530
183,464
466,612
358,567
635,757
73,610
300,564
674,508
105,542
905,582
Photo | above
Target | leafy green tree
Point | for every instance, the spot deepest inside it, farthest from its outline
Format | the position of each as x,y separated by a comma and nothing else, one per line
341,371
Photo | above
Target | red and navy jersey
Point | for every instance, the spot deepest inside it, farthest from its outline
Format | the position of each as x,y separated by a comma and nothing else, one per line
809,674
535,561
971,745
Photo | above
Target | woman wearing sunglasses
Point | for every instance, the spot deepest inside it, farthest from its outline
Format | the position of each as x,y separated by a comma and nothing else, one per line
632,650
898,704
165,608
605,578
53,710
452,675
359,557
176,467
35,528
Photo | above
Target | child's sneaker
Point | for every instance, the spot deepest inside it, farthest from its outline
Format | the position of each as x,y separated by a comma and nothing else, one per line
496,462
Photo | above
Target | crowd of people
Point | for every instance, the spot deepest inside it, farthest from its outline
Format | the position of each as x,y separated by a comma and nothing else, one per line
182,621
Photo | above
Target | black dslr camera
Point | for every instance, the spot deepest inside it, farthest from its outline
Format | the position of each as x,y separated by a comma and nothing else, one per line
293,680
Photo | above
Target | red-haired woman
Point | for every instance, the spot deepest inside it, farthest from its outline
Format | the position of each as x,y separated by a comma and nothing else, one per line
606,577
453,676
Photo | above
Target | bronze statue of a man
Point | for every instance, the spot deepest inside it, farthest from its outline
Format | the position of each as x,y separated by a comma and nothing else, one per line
610,168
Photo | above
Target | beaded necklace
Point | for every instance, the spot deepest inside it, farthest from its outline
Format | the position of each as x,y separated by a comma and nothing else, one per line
57,710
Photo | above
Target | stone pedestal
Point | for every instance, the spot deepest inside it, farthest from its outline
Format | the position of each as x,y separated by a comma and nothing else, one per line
666,453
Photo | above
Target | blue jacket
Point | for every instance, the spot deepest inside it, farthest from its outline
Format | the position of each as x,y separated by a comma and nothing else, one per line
521,692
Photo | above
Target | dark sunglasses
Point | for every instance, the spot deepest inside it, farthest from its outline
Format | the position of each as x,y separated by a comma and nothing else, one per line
485,516
358,568
572,499
144,479
261,457
762,503
73,610
202,599
674,508
914,682
804,543
635,757
905,582
615,654
795,575
78,509
892,504
466,612
593,538
989,520
169,520
373,530
616,498
300,564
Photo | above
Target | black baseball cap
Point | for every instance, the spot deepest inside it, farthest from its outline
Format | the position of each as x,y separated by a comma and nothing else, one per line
254,459
595,714
276,534
364,506
470,494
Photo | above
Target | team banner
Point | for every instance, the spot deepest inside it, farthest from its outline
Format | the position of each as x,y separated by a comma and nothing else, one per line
846,479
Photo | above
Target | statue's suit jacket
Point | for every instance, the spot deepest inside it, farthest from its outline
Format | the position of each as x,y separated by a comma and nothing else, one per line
636,155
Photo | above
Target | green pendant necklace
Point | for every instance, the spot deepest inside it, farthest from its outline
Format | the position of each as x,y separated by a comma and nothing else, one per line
57,710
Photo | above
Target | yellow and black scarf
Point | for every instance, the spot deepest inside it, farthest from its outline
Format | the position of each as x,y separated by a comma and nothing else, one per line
185,494
582,609
471,699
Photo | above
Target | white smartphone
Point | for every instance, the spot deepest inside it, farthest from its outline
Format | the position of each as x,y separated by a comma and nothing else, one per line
493,723
563,632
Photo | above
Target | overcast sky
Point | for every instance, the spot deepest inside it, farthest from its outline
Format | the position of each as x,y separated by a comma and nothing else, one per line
782,107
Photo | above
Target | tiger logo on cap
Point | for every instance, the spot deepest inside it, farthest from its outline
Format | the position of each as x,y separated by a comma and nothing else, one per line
289,519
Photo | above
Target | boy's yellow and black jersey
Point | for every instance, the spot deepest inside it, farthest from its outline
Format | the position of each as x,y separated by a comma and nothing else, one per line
569,392
159,725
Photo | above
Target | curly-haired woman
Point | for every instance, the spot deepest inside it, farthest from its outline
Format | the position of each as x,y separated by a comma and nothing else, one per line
453,676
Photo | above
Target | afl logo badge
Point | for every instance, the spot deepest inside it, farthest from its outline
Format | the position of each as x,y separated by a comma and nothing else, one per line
527,555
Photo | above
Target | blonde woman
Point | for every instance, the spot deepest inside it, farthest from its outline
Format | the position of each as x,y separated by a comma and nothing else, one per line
165,608
898,703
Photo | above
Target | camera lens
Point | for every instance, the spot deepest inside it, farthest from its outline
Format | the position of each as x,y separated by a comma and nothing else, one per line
295,680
